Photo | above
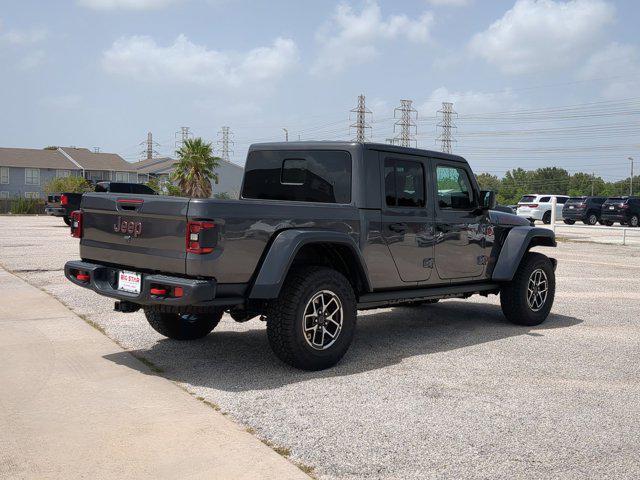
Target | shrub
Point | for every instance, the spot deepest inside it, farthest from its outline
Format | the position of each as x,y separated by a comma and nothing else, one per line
72,184
26,206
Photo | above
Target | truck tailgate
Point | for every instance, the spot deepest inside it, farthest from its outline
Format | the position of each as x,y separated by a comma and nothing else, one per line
138,231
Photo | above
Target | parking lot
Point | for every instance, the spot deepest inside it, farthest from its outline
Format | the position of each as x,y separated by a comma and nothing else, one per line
440,391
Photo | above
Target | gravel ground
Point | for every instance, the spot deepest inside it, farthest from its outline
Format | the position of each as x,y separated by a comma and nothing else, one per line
441,391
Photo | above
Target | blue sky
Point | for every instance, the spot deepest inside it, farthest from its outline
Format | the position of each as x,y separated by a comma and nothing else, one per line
535,83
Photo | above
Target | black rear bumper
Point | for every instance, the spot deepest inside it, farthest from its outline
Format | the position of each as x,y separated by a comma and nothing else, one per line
103,280
615,217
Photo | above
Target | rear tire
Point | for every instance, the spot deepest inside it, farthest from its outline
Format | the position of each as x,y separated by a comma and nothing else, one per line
299,328
528,297
546,218
569,222
634,221
591,219
67,220
183,326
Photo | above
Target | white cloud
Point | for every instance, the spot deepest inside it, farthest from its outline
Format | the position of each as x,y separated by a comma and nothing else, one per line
470,101
543,34
351,37
141,58
618,65
126,4
449,3
24,37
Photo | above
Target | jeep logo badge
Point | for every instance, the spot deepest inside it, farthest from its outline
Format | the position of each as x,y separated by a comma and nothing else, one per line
131,228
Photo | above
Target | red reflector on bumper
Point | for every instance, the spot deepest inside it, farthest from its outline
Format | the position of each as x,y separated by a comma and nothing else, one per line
158,291
83,277
178,292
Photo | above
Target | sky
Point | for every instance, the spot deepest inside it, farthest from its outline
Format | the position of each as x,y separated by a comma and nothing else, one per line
534,83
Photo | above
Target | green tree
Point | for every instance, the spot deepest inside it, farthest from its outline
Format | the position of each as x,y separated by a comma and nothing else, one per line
222,196
71,184
195,168
489,182
165,188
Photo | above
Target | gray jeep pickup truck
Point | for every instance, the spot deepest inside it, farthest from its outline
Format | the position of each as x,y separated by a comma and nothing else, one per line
322,229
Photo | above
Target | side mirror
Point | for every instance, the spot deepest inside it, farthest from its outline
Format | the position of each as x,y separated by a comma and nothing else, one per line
487,199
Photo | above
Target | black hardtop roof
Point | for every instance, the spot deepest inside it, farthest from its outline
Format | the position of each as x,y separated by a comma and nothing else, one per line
351,146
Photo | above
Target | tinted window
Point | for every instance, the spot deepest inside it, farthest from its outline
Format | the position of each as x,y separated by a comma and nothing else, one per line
454,188
574,200
527,199
143,189
545,199
561,199
306,176
404,183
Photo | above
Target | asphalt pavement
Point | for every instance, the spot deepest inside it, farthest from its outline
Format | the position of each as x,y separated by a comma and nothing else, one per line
449,390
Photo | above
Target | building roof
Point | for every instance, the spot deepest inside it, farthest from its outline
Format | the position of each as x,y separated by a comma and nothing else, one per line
155,165
34,158
166,164
98,161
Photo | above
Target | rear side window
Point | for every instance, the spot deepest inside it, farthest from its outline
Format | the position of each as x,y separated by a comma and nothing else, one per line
527,199
305,176
454,188
143,189
545,199
404,183
561,200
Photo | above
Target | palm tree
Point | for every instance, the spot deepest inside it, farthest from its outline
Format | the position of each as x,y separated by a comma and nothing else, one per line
195,168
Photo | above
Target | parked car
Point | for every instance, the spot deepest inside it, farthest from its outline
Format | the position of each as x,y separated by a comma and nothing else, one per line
63,204
585,209
538,207
624,210
321,230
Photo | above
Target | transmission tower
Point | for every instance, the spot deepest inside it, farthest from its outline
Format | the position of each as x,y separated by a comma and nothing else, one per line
406,124
224,143
182,135
361,125
446,125
149,152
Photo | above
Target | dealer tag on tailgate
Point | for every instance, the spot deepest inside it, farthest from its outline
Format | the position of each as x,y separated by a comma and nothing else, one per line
129,281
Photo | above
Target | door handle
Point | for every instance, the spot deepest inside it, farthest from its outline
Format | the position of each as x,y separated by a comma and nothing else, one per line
398,227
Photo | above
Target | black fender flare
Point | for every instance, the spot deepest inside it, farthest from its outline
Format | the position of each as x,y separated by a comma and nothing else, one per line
519,240
283,250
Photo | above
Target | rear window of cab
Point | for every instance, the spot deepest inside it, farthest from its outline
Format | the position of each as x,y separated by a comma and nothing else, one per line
322,176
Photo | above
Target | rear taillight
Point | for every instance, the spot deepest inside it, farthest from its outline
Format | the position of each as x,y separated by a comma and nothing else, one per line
200,237
532,205
64,200
76,224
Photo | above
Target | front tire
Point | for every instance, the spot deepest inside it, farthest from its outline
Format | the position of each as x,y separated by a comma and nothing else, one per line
311,324
183,326
634,221
569,222
528,298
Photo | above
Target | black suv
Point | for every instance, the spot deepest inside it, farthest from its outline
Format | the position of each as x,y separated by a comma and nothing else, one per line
587,209
625,210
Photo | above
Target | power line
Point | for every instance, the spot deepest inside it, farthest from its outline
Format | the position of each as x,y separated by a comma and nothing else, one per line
361,125
406,123
225,141
446,126
149,152
182,136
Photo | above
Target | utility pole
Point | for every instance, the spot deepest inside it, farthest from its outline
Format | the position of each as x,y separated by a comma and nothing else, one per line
182,136
446,126
406,123
631,179
225,141
286,134
361,125
149,152
593,183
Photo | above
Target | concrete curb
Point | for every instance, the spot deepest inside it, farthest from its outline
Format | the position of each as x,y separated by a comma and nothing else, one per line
69,412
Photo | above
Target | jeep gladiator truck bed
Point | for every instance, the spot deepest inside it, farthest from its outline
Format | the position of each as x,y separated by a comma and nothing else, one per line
321,230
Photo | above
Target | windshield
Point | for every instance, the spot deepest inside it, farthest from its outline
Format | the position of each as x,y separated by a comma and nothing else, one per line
574,200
